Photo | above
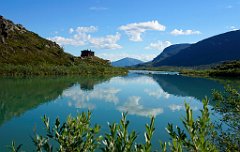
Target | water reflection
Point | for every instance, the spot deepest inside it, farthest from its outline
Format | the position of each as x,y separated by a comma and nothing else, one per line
175,107
187,86
133,107
157,93
18,95
178,107
22,94
24,100
134,78
81,98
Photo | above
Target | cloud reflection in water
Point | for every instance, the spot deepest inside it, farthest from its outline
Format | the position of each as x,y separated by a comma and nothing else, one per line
157,93
178,107
133,107
81,99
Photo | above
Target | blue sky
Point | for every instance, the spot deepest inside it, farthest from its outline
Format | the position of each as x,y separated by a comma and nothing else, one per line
124,28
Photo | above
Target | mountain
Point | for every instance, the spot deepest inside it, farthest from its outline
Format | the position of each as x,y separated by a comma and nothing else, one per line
23,52
215,49
19,46
126,62
170,51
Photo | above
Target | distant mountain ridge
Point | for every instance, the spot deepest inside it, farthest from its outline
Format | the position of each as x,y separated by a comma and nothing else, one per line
125,62
170,51
222,47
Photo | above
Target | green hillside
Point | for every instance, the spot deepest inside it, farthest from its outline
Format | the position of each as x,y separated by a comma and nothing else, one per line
23,52
225,69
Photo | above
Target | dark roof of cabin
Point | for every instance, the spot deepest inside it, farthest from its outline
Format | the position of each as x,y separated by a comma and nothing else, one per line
87,51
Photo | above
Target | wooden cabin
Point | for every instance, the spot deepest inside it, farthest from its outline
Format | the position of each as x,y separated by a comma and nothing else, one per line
87,53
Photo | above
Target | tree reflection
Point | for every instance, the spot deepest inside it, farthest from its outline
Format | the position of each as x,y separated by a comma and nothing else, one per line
18,95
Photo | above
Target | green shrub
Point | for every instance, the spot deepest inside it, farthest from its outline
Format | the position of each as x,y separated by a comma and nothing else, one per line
119,139
198,132
76,134
229,108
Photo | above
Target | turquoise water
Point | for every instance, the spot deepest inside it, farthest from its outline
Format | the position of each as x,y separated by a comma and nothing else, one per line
23,101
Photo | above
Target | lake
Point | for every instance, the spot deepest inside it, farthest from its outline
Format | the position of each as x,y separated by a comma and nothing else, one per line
23,101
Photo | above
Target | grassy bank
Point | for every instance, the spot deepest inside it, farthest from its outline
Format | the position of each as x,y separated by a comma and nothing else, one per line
211,73
80,66
16,70
225,69
67,66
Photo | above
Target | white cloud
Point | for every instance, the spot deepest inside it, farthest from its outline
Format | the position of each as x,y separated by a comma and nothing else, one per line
133,107
71,30
107,42
86,29
118,56
177,32
97,8
159,45
134,30
82,37
67,41
233,28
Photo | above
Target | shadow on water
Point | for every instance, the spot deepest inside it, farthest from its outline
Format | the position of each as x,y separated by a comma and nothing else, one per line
19,95
187,86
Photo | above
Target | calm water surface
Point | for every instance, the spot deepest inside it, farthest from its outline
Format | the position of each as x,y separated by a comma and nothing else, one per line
23,101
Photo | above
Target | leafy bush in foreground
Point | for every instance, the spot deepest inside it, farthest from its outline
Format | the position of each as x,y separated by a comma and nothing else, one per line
198,132
229,108
76,134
